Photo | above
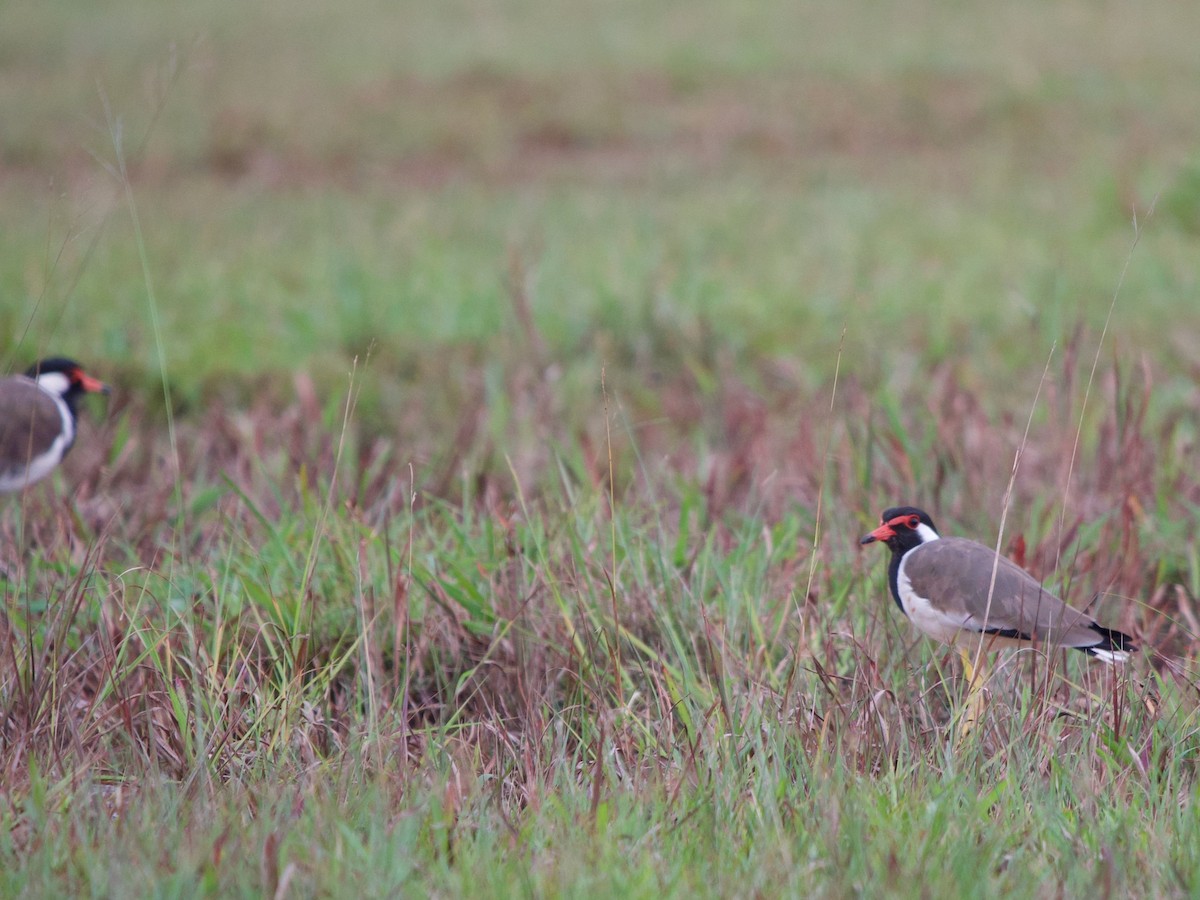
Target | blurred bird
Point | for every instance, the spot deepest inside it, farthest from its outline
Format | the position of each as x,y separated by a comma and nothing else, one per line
38,418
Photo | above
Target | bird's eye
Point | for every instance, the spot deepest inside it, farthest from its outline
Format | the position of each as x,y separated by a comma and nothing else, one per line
914,521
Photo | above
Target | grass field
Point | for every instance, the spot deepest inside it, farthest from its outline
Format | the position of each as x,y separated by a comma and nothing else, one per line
501,390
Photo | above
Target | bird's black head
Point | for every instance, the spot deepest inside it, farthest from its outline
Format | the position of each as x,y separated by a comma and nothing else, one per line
65,377
902,528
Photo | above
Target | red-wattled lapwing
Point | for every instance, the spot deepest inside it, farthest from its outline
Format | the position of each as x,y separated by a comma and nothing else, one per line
37,419
966,595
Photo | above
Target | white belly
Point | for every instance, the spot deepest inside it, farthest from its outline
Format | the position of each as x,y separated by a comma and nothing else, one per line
39,467
921,611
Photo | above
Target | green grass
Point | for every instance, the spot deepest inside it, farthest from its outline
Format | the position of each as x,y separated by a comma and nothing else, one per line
559,592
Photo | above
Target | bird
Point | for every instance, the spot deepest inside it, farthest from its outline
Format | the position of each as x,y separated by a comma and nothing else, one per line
38,419
965,594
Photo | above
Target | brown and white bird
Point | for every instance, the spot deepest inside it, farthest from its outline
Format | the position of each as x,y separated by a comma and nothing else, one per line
38,417
945,587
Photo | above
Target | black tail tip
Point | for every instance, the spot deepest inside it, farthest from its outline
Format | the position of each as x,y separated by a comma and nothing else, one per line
1112,642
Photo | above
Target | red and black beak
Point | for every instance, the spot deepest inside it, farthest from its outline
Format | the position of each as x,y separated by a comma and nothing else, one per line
883,533
89,384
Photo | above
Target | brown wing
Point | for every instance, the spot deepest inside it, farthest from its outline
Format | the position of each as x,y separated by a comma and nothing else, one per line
29,422
956,574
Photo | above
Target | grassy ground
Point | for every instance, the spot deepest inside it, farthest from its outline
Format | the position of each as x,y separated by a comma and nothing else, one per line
501,390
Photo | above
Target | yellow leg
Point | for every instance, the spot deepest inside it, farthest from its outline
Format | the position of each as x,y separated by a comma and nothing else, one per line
974,704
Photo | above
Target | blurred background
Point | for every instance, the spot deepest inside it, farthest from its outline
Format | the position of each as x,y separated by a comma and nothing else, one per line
689,195
501,390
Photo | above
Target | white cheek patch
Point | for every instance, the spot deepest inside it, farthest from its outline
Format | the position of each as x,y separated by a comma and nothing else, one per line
54,383
926,533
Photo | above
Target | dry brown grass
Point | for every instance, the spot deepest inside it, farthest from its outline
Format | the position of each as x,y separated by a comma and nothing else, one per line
512,640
